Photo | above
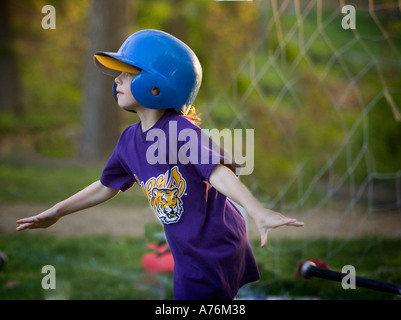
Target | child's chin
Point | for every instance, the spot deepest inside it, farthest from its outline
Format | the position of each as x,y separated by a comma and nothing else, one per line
129,109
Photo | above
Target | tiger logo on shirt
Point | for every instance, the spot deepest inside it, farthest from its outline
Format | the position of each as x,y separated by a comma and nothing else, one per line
167,204
164,193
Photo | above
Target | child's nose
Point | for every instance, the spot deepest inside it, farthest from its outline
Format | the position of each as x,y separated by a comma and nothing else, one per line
118,79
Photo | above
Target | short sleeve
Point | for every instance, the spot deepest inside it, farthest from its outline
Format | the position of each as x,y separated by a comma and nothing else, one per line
116,174
208,153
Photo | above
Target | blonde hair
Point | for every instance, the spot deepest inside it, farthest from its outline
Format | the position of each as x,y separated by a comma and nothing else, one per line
191,113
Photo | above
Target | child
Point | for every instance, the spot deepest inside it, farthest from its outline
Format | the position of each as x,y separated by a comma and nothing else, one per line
184,179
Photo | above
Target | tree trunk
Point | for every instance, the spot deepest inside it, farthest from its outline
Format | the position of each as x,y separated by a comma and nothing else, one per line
177,24
10,87
107,31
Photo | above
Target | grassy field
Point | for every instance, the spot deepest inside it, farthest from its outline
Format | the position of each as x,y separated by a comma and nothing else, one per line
105,267
109,268
48,181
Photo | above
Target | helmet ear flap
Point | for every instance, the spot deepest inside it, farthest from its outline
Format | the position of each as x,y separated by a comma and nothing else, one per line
153,92
114,90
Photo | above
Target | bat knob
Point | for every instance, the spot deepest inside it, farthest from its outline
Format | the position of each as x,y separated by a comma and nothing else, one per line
306,269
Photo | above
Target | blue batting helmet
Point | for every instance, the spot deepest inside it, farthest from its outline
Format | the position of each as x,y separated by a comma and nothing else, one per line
160,61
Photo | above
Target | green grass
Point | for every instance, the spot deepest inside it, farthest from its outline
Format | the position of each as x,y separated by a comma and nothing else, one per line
109,268
102,267
42,182
86,268
375,258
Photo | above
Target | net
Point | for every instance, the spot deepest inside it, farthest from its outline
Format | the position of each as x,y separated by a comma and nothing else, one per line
325,104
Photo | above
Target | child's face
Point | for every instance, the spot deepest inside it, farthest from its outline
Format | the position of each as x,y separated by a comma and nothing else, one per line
124,95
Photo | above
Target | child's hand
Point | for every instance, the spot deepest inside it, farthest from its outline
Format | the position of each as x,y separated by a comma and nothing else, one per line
90,196
42,220
226,182
266,220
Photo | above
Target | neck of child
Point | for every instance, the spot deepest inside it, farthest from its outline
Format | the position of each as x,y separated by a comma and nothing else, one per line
149,117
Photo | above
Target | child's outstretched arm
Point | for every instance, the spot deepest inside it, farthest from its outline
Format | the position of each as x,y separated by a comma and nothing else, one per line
90,196
227,183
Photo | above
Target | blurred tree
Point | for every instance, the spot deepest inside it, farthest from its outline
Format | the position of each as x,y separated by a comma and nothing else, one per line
231,32
10,95
177,24
107,31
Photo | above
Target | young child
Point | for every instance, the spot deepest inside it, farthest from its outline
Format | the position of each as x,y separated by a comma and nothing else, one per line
183,177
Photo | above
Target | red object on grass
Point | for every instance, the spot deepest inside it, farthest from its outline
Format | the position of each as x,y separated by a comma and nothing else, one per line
160,261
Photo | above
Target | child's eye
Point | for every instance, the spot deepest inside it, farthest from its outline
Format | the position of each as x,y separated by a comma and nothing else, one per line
127,75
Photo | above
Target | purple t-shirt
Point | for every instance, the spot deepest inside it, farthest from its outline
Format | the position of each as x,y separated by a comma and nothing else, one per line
172,163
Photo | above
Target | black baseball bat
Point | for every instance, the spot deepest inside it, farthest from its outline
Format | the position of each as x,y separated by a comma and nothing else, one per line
309,270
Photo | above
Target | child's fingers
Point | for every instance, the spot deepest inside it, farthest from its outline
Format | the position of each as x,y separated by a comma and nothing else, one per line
285,222
26,223
292,222
25,220
296,224
24,226
263,238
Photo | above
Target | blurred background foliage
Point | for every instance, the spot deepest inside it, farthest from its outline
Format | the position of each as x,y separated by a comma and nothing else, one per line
313,92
